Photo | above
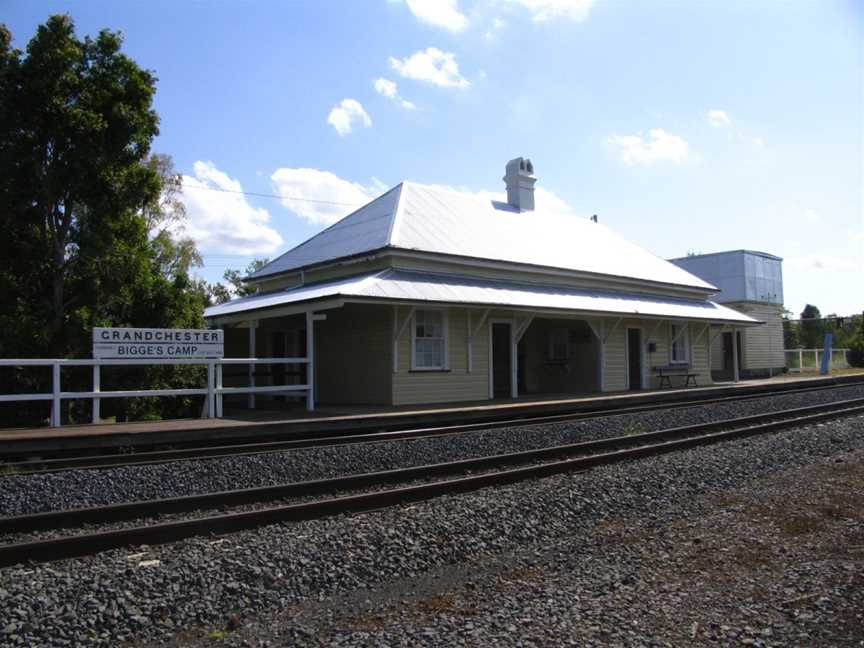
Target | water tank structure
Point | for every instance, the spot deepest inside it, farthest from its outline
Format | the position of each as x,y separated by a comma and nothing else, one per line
750,282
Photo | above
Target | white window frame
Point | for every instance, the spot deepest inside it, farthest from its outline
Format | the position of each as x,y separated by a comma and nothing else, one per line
550,351
445,325
684,341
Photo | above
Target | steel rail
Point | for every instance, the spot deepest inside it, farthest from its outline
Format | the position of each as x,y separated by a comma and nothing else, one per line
97,462
657,442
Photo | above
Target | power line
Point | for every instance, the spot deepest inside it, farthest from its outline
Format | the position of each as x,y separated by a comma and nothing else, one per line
280,197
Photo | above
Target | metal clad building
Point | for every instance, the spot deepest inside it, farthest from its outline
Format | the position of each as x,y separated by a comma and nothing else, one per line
752,283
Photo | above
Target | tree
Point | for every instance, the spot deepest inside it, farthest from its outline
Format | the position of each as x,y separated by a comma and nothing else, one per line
236,287
812,327
91,222
165,217
791,332
78,124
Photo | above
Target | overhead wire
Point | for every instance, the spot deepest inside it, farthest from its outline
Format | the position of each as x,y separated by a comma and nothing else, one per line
279,196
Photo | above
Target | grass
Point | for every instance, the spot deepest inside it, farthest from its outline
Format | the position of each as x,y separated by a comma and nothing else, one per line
634,427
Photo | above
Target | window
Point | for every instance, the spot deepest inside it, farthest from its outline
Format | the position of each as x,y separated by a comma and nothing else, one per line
429,342
680,343
559,344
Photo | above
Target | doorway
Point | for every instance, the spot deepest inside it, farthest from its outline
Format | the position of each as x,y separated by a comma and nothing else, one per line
728,368
501,369
634,358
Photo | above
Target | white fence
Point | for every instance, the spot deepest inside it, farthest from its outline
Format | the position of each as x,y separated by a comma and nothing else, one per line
214,391
798,360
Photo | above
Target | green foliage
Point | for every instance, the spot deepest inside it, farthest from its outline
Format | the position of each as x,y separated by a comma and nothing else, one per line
856,351
220,293
791,332
812,330
92,223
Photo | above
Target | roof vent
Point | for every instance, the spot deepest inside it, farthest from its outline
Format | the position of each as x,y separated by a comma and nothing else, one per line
519,178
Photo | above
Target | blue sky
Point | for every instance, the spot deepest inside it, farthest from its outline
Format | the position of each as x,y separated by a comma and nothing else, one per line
686,126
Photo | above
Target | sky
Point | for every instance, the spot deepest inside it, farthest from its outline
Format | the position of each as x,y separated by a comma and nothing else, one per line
685,126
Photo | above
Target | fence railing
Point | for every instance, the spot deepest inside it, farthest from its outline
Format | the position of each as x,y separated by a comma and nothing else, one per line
799,360
213,391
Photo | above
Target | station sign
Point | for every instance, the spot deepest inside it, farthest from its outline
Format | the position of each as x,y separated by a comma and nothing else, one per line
144,343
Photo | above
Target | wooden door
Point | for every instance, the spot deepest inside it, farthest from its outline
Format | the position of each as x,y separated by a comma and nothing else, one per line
501,352
634,357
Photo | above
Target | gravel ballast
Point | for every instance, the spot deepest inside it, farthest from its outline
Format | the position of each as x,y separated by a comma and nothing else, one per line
22,494
509,554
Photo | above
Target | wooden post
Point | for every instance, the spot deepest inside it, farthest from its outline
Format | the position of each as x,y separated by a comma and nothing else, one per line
310,365
211,401
395,338
219,409
735,376
253,324
55,399
97,387
514,362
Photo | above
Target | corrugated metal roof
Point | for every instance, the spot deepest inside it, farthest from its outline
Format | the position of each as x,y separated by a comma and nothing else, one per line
443,221
404,285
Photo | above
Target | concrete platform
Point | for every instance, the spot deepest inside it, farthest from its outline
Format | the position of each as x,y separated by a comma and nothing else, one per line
268,425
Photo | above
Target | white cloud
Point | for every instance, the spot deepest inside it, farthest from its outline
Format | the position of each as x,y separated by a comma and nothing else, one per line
385,87
220,221
338,197
659,147
440,13
496,26
718,118
344,114
545,10
812,216
431,66
389,89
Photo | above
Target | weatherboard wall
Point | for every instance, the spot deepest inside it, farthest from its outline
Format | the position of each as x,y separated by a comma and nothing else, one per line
762,346
353,361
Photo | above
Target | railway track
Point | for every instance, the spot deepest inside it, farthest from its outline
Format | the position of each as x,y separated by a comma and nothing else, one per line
458,477
95,462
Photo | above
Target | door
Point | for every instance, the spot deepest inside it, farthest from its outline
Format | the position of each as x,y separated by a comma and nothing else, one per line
727,354
634,358
501,350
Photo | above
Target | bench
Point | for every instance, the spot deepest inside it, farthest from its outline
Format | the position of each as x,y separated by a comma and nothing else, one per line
665,372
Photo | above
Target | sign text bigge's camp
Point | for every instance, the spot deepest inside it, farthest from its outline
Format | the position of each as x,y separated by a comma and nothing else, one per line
157,343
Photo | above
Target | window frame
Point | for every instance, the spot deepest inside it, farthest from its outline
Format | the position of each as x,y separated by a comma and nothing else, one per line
445,330
552,342
684,341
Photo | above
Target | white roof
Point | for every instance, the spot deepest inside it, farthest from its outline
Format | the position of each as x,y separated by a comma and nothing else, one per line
411,286
443,221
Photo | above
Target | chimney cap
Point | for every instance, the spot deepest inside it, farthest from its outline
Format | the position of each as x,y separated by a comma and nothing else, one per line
519,166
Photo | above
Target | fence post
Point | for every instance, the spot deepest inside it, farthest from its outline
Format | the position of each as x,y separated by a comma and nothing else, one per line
800,360
97,387
310,357
211,401
218,389
253,324
55,392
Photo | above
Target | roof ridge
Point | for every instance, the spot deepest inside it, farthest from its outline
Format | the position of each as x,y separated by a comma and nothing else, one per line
393,230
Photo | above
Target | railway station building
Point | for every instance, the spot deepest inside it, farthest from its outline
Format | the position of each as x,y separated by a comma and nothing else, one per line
430,295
